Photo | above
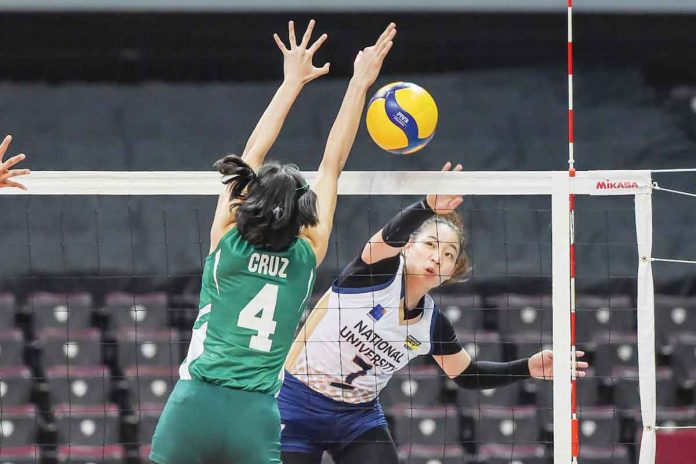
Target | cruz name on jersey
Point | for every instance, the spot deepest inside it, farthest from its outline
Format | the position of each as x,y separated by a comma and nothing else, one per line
269,265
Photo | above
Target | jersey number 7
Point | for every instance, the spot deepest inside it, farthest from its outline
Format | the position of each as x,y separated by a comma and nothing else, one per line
350,378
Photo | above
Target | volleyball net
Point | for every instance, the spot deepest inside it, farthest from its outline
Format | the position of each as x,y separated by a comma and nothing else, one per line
103,268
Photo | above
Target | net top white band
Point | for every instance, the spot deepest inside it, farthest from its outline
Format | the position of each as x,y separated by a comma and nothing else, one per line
351,183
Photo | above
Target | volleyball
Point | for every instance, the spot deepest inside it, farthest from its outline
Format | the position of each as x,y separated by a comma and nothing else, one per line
401,117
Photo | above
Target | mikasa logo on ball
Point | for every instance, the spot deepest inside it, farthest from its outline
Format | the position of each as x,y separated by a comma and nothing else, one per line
401,118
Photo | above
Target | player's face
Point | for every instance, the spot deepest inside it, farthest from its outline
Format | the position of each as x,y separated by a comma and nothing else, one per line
432,254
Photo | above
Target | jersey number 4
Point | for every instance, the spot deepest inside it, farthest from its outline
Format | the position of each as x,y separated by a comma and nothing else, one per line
264,303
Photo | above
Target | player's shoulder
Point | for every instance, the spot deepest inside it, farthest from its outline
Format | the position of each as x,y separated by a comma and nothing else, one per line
438,314
306,250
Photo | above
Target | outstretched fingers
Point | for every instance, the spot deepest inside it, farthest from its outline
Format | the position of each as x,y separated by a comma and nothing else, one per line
280,44
308,34
448,167
4,167
318,43
15,173
385,49
3,146
9,183
384,37
291,34
323,70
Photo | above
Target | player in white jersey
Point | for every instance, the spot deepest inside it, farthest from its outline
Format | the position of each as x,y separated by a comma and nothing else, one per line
376,317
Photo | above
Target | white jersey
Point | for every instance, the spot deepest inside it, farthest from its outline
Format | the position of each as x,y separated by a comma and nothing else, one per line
357,338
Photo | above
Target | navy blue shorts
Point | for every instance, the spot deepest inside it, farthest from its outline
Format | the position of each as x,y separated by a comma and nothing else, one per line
312,423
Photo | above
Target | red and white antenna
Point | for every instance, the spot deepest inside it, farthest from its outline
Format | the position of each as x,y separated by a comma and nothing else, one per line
575,429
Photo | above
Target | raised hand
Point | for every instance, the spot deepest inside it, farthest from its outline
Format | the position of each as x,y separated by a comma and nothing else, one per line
444,204
369,60
541,365
5,172
297,64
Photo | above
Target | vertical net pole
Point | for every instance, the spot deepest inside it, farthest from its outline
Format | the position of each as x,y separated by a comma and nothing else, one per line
562,403
646,328
575,429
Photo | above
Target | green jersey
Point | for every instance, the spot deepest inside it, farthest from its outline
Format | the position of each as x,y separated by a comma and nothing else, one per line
250,306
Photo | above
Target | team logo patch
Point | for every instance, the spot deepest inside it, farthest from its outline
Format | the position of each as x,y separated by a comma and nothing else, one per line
377,312
411,343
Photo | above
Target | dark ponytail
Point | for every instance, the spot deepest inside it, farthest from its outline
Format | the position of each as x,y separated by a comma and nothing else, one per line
238,174
271,206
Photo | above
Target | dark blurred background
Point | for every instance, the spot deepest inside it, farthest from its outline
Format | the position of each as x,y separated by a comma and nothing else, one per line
177,87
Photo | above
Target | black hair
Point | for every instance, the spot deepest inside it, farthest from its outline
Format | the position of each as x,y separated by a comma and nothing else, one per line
270,206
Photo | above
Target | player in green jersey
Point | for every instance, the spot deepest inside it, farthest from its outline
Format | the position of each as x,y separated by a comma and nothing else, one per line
269,233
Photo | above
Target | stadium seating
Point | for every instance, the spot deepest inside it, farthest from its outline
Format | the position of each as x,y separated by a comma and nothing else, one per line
684,357
147,421
588,389
537,393
519,425
79,385
433,421
483,346
11,348
604,455
674,316
676,417
527,345
15,386
93,425
110,454
7,310
522,314
626,394
601,317
505,454
149,348
614,352
503,396
465,312
183,310
68,312
150,385
418,386
18,426
20,454
599,426
71,348
135,312
419,454
426,426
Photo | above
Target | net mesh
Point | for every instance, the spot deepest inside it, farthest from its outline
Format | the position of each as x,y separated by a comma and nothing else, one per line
99,295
